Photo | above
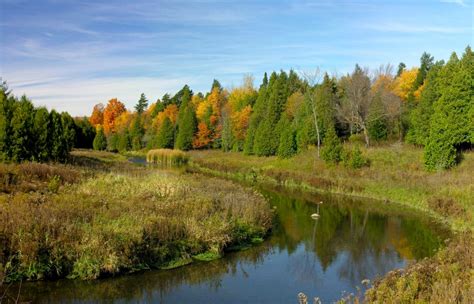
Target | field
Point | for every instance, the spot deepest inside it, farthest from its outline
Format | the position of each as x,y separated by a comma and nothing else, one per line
101,216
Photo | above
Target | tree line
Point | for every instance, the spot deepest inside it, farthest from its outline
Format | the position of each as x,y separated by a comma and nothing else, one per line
29,133
430,106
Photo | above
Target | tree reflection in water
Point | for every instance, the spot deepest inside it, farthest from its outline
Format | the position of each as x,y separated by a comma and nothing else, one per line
350,241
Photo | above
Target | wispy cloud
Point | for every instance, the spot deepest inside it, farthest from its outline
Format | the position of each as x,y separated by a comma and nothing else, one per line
458,2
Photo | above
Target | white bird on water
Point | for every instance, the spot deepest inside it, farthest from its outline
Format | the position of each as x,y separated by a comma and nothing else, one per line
315,216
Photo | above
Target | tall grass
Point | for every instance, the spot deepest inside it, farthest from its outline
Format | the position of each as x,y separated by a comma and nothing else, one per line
124,221
167,157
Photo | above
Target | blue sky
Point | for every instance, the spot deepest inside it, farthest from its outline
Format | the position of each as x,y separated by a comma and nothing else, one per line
70,55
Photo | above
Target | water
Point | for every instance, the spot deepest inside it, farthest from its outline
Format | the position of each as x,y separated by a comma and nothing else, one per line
351,240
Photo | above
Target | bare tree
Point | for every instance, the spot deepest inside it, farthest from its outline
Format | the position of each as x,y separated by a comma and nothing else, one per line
313,78
354,108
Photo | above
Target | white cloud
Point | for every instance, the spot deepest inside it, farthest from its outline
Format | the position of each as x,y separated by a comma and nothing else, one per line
459,2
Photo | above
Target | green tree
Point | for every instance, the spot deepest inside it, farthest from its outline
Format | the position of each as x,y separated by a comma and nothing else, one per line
287,144
21,130
257,115
69,130
7,104
331,151
142,104
451,126
100,141
401,68
165,136
420,117
41,135
377,121
125,141
137,132
85,133
227,136
59,143
186,128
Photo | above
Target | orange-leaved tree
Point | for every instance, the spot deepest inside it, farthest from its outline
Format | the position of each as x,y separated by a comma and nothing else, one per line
113,110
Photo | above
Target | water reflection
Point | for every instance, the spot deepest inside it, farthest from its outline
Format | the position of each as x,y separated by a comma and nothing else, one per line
349,241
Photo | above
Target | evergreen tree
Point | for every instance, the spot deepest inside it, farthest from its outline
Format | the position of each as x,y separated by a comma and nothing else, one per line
59,143
401,68
41,135
165,136
21,130
136,133
420,117
287,144
69,130
451,126
142,104
256,116
7,104
100,141
377,122
332,147
85,133
186,128
227,136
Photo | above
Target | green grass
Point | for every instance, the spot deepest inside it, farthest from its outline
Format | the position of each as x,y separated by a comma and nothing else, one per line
396,174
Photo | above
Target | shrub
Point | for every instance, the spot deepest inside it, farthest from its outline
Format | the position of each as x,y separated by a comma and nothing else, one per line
354,159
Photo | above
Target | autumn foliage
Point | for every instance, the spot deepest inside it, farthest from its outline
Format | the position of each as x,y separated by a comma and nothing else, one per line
112,111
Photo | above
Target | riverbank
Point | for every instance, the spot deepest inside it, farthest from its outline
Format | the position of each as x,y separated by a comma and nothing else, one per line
101,215
395,174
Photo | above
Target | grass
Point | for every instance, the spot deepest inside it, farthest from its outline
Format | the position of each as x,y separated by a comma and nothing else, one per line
395,174
113,217
167,158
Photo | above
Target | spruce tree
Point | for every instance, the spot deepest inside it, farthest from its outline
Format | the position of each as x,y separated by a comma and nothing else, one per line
69,130
136,133
100,141
142,104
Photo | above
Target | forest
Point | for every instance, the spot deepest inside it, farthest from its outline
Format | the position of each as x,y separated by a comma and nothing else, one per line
428,106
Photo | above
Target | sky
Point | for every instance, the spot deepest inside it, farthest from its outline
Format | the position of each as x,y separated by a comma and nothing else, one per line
72,54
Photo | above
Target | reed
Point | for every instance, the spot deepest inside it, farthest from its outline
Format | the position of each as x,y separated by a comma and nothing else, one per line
167,157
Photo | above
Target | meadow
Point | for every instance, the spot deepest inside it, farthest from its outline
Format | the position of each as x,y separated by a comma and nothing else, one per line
101,215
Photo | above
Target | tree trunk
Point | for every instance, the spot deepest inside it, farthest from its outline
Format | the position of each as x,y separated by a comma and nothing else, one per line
366,136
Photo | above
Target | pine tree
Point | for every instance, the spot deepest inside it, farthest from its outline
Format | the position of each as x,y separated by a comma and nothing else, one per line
377,122
165,136
287,144
100,141
332,147
142,104
7,104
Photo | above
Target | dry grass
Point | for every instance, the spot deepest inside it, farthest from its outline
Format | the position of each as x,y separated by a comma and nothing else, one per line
167,158
124,221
